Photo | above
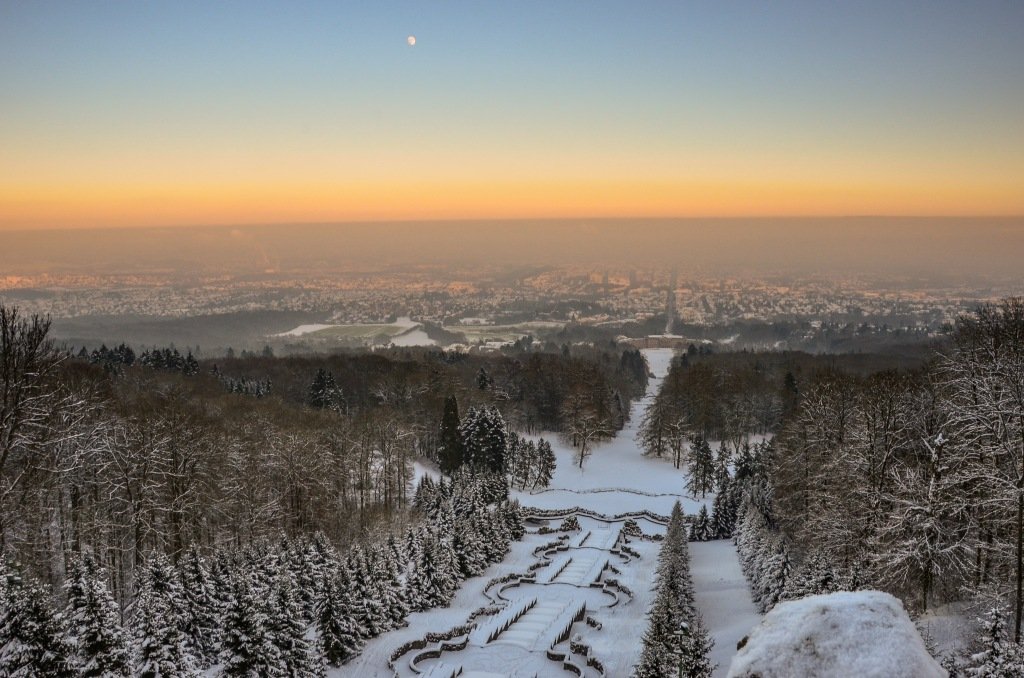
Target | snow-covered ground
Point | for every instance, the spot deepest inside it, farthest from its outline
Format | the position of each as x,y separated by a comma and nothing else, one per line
723,597
616,479
305,329
407,332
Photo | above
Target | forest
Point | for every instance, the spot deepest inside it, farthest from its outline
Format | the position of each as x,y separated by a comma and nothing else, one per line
131,484
904,478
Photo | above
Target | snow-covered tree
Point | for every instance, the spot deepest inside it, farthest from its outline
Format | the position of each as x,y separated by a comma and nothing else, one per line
701,462
702,530
814,577
160,646
337,626
998,656
33,637
484,439
450,452
546,462
248,643
298,657
200,619
94,622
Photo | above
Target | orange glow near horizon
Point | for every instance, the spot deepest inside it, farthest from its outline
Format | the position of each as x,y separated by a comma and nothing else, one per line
123,205
153,114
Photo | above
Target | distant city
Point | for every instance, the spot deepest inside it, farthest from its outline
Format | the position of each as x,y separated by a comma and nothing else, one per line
492,305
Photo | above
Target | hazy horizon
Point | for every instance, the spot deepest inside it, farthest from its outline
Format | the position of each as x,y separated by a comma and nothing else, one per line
893,246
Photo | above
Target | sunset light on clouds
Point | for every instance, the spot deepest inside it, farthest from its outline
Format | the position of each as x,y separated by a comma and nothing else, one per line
121,114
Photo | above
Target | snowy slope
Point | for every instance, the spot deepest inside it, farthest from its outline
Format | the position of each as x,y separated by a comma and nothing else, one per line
616,479
723,597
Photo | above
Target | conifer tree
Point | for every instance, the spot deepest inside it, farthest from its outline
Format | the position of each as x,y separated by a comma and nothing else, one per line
432,577
94,623
722,475
483,380
694,657
545,464
200,620
701,479
337,626
813,578
390,586
702,530
450,454
33,640
484,439
288,631
248,646
723,511
160,646
366,592
999,656
662,623
324,392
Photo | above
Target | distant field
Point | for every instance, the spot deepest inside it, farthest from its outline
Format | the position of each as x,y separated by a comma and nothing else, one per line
358,331
475,333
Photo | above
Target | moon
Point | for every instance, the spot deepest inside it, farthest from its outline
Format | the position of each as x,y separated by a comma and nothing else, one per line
411,40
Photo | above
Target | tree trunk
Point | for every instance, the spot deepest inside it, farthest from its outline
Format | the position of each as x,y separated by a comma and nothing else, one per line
1020,559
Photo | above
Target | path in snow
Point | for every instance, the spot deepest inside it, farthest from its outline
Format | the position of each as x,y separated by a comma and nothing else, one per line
616,479
722,596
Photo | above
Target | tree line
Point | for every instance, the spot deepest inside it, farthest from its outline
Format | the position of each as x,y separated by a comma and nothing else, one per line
288,607
909,481
125,463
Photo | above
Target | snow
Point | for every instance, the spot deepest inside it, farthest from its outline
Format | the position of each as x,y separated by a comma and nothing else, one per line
617,478
305,329
863,634
722,595
534,614
948,628
414,337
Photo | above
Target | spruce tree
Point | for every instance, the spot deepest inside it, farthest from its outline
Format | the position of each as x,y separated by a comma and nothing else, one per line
546,462
336,623
94,622
701,478
483,380
998,656
200,620
366,592
248,644
694,659
324,392
701,529
450,454
484,439
33,640
160,646
662,622
723,511
288,631
722,461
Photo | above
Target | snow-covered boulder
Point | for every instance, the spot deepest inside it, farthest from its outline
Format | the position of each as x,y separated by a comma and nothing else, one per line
862,634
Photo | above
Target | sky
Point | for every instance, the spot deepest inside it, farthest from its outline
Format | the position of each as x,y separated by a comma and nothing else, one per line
148,113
